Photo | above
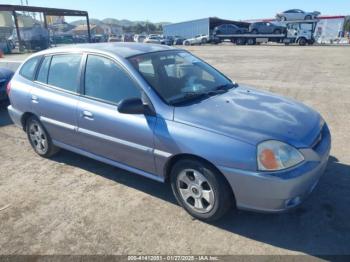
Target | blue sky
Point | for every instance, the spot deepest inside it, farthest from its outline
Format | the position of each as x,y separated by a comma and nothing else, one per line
182,10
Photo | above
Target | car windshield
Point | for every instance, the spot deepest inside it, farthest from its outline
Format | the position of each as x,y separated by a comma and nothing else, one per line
178,76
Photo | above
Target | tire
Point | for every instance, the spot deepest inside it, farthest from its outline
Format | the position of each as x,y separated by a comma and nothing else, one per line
190,179
186,43
240,41
308,17
204,41
277,31
302,41
283,18
251,41
39,138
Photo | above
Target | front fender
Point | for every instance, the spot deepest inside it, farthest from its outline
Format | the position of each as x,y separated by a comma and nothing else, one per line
174,138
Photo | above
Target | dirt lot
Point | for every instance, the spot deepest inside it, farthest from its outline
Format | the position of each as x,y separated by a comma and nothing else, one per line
73,205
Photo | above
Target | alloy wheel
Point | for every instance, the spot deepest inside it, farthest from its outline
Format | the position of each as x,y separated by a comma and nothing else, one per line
38,137
195,191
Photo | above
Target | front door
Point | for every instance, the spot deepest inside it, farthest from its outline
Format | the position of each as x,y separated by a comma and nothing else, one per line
103,131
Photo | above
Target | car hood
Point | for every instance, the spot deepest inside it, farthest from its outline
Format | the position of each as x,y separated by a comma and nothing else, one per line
253,116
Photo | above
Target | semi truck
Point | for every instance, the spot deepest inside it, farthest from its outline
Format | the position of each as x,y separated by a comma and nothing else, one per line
298,32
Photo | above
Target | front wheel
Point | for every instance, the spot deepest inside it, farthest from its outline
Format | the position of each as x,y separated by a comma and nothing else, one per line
302,41
201,190
39,139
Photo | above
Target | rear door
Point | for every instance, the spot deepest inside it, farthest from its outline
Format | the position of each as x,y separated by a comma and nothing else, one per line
54,97
103,131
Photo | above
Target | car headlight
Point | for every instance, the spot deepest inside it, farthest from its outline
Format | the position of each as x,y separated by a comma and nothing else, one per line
274,155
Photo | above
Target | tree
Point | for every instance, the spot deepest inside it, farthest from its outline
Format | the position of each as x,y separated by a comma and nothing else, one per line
347,26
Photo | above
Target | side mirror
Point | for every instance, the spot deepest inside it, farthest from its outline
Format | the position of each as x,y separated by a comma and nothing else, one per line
134,106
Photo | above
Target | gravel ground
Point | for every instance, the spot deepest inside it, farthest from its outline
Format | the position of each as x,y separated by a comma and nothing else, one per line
74,205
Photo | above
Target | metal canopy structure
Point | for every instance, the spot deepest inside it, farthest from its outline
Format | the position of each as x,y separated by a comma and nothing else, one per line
46,12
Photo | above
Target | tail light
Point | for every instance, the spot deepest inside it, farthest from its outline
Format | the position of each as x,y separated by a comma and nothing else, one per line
8,88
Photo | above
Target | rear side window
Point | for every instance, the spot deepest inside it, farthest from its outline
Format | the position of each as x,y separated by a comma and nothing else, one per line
44,69
64,72
28,69
105,80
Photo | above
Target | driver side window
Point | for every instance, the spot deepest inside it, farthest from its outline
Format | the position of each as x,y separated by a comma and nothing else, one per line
105,80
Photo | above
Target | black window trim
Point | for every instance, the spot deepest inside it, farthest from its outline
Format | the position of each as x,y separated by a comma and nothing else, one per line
38,69
121,66
48,86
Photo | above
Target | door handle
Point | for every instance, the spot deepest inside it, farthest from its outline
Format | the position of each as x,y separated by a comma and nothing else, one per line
87,115
35,99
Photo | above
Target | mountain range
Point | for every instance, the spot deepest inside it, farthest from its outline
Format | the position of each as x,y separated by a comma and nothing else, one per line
122,22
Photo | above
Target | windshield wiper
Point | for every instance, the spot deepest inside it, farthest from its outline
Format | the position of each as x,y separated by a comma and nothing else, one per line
226,86
188,96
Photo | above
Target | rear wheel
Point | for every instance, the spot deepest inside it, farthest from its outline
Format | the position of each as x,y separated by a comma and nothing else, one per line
187,43
39,139
204,41
308,17
251,41
302,41
201,190
283,18
240,41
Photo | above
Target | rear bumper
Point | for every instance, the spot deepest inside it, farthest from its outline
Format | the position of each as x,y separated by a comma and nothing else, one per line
279,191
15,115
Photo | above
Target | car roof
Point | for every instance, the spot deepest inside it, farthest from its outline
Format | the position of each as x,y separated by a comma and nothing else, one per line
120,49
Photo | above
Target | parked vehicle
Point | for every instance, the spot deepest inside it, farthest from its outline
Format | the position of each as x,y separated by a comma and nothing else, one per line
98,38
300,32
229,29
165,114
32,38
128,37
139,38
5,77
266,28
115,38
169,40
178,40
297,14
154,39
197,40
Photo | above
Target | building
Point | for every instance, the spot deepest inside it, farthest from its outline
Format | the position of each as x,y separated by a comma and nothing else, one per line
83,30
330,29
112,29
192,28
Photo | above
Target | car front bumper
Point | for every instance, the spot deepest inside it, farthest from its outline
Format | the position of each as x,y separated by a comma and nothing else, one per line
282,190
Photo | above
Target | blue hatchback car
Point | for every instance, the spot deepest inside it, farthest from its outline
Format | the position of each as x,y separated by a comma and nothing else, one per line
165,114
